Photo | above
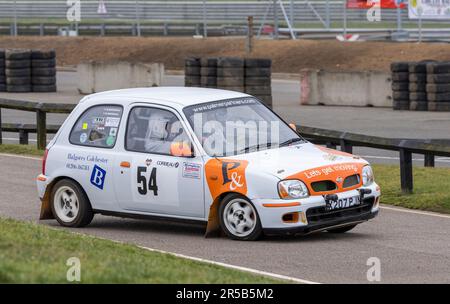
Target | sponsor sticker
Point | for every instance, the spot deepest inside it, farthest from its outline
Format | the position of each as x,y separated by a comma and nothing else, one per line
85,126
110,140
192,170
113,132
98,177
83,138
168,164
112,122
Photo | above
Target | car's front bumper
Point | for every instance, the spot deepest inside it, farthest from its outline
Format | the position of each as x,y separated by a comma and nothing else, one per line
311,215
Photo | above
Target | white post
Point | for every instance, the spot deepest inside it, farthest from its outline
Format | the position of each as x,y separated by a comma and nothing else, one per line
15,18
138,21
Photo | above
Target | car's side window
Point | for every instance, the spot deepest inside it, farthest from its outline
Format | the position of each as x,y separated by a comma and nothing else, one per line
97,127
153,130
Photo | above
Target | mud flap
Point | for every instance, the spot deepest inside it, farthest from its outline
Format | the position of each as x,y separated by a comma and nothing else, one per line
46,210
213,227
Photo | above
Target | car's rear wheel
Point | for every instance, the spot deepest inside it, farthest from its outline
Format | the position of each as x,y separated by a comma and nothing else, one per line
341,229
70,205
239,219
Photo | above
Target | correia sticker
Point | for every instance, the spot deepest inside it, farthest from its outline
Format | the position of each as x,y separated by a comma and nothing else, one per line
192,170
83,138
98,177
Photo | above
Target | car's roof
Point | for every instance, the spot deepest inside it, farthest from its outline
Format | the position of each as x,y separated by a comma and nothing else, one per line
173,96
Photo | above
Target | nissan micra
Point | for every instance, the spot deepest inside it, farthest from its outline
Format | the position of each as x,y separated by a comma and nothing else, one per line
205,155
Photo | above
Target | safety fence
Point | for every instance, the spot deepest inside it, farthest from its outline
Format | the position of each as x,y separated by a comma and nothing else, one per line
138,17
331,138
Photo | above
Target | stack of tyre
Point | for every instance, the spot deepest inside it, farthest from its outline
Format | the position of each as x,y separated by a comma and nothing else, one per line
208,72
438,86
18,70
230,74
417,86
192,73
2,71
400,85
43,71
258,79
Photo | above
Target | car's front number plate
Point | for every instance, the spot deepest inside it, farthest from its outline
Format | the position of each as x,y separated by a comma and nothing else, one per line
343,203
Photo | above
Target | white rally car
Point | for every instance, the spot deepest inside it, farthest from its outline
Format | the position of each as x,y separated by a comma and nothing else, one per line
206,155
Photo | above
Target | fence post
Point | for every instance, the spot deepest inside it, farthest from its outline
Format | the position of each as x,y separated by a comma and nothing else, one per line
429,160
41,129
249,46
102,29
406,173
41,29
345,147
23,137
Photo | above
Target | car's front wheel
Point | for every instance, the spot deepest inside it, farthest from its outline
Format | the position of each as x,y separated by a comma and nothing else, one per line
239,219
70,205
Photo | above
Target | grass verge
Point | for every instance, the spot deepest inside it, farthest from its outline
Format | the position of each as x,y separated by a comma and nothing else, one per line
32,253
431,188
20,149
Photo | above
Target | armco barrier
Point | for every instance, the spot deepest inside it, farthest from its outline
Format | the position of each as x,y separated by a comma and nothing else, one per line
330,138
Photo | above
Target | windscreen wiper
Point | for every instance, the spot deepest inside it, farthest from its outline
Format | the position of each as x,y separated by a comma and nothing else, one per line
291,141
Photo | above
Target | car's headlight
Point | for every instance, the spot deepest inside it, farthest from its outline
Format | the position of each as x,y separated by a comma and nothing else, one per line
367,176
292,188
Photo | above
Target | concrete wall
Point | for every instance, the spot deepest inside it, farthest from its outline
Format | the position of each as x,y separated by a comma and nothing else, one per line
345,88
96,77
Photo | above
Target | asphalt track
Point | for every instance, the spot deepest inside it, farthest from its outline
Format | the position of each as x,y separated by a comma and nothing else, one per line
413,247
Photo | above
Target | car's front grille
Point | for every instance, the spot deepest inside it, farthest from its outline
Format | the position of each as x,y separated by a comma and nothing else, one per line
318,215
351,181
323,186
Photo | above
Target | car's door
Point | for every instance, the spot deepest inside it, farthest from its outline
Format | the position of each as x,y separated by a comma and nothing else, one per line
152,175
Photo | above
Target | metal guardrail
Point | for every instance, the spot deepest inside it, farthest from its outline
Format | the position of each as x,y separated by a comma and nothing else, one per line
330,138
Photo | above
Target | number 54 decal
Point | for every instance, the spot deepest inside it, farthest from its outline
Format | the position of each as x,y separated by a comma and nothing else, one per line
143,186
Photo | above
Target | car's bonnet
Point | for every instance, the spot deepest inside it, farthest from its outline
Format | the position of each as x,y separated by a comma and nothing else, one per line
287,161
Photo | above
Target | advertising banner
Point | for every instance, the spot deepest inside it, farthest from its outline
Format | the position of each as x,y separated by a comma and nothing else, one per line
429,9
366,4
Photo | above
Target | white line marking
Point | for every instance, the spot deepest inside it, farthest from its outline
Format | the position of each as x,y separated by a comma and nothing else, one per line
245,269
416,212
230,266
20,156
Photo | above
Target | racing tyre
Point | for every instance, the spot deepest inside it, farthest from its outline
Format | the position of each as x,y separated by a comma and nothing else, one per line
257,81
18,81
230,62
239,218
43,63
400,66
17,54
2,87
18,88
44,88
37,54
43,80
47,72
260,72
208,71
400,76
192,62
258,63
438,68
70,205
192,71
230,81
341,229
438,78
417,86
438,88
18,72
417,77
17,64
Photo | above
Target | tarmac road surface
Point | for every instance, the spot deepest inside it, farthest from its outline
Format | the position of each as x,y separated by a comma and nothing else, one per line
413,247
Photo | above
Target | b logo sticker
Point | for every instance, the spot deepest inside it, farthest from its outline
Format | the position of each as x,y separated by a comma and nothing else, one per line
98,177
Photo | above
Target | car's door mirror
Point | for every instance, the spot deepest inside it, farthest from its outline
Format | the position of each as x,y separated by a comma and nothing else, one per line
181,149
293,126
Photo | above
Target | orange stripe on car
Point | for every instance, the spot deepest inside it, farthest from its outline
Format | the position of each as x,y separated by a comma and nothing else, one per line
276,205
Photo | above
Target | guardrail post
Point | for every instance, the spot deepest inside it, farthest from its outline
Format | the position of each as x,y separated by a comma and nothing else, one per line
41,129
102,29
41,29
345,147
23,137
166,29
330,145
429,160
1,138
406,171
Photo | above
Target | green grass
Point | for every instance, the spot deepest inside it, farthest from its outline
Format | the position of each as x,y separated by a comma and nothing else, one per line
20,149
431,188
32,253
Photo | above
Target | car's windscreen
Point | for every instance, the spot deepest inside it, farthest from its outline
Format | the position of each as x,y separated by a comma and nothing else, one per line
236,126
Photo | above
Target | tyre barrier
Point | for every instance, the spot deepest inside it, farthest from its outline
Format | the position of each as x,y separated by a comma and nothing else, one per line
421,86
258,79
251,75
23,71
400,85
